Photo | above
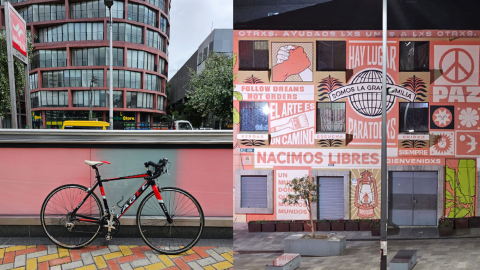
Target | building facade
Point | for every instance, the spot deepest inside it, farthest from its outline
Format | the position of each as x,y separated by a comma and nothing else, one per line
309,103
219,41
71,47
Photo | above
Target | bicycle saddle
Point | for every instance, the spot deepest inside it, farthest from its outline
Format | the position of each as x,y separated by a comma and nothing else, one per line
97,163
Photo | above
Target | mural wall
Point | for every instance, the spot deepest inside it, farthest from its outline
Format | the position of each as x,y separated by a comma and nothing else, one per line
316,106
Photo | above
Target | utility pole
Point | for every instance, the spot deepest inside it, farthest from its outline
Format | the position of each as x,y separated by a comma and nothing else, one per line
92,81
384,199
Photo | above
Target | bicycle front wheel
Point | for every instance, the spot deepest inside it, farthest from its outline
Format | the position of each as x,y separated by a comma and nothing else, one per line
63,228
175,237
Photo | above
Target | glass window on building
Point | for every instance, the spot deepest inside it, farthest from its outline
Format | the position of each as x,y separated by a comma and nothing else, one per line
153,82
33,78
71,78
253,55
253,116
141,13
139,100
95,9
331,55
49,99
76,32
49,58
413,117
127,32
330,117
414,55
161,103
162,66
55,119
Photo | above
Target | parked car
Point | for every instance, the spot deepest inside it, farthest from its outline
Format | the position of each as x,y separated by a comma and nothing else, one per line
71,124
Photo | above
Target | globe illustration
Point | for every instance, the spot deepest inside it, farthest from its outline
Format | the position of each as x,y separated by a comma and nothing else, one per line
370,104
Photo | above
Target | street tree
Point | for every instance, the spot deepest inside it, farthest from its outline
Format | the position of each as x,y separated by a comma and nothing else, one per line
19,71
304,190
211,89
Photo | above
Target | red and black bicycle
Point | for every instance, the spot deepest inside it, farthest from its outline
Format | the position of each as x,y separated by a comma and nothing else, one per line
169,219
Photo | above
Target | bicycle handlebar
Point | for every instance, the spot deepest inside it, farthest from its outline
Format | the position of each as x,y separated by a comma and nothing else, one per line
158,167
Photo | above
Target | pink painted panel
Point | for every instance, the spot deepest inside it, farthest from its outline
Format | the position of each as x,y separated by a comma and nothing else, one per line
207,175
28,175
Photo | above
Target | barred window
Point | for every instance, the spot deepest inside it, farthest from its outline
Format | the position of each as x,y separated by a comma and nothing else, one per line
253,116
330,117
253,55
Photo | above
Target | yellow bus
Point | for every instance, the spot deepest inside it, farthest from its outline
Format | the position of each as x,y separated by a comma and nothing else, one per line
85,125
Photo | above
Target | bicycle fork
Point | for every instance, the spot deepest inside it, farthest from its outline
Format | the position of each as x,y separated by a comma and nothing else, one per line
162,204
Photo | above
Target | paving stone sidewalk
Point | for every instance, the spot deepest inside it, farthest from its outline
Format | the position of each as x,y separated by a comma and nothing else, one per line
44,257
433,254
246,242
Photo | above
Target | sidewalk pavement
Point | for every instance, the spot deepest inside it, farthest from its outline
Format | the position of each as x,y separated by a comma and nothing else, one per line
432,254
44,257
245,242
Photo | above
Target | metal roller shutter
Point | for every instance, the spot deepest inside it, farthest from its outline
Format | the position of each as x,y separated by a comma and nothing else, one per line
330,197
254,192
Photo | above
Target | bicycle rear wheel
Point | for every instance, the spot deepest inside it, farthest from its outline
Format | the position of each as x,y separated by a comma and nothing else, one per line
56,211
176,237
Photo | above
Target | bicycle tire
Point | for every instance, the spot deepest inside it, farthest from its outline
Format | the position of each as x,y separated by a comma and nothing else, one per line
150,221
54,216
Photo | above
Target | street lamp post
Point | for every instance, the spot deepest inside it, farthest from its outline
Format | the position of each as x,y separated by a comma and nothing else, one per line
109,4
92,81
384,200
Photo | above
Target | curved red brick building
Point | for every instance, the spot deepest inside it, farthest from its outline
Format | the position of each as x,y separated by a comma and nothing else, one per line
72,45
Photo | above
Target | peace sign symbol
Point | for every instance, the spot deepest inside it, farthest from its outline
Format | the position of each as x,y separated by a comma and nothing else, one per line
457,72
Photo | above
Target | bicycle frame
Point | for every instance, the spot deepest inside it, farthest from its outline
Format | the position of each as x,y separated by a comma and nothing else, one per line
127,204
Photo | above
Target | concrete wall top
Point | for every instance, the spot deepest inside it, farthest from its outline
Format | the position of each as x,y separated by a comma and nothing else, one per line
207,137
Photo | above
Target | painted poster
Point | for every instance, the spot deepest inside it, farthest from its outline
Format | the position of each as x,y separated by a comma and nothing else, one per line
271,92
286,211
467,117
365,194
456,68
292,62
292,123
442,117
442,143
460,188
364,91
467,143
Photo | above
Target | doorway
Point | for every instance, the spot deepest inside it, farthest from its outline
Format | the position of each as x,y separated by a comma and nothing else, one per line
413,198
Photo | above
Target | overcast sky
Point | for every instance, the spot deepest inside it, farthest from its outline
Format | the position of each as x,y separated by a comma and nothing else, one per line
190,23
